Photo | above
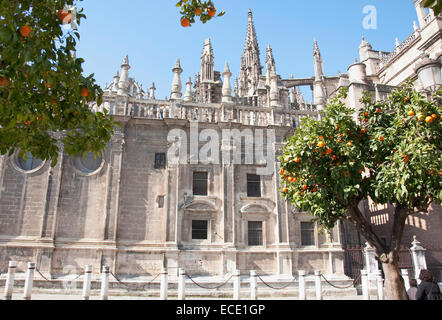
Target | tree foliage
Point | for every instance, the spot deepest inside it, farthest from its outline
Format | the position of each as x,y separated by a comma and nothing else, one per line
191,10
436,5
392,155
43,93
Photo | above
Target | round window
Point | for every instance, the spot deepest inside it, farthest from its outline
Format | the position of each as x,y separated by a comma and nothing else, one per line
30,164
90,163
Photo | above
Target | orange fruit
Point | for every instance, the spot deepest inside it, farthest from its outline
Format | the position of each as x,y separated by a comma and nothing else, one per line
282,171
4,82
85,92
198,11
440,173
304,187
420,117
429,119
185,22
381,138
366,114
336,127
363,130
38,118
290,179
329,151
349,144
212,11
378,110
297,160
25,31
411,113
321,137
434,116
407,158
28,123
295,179
285,190
321,144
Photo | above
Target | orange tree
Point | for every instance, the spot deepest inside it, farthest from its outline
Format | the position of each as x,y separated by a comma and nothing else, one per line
197,9
392,155
43,93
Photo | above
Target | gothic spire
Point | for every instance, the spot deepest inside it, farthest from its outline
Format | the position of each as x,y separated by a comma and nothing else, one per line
251,63
319,69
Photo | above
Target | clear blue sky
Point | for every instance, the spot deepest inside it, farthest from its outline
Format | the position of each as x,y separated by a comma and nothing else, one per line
150,33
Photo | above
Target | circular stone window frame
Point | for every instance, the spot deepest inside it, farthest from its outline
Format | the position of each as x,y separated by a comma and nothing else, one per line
79,171
16,164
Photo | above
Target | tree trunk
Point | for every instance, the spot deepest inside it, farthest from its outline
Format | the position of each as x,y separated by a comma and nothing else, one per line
388,255
394,283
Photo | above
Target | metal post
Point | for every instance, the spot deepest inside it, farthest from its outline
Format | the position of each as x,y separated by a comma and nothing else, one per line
87,282
406,278
164,285
105,283
9,286
365,293
380,283
302,295
253,285
236,285
318,285
182,284
29,281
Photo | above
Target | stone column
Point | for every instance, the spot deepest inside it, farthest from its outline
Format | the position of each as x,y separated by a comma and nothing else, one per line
253,285
29,281
182,285
318,285
365,287
302,294
371,264
380,285
105,284
418,256
406,278
9,286
236,285
164,285
87,282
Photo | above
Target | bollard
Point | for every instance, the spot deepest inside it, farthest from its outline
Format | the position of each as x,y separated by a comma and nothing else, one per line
380,283
163,285
253,285
29,281
182,284
406,278
318,285
9,286
105,283
236,285
365,293
302,295
87,282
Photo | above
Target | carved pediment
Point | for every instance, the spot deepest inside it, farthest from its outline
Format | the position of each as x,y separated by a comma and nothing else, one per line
255,208
201,205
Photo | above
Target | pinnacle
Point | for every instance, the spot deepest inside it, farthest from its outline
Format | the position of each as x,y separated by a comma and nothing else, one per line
126,60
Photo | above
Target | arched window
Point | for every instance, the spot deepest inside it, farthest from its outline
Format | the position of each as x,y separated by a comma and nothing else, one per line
31,162
88,164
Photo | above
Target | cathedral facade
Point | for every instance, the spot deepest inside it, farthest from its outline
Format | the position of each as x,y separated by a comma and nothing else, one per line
193,181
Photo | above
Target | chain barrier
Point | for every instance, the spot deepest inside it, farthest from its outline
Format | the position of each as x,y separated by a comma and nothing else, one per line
127,284
36,269
346,287
275,288
209,288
